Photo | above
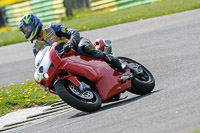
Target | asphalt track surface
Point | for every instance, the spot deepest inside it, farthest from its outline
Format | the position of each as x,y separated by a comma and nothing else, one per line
169,46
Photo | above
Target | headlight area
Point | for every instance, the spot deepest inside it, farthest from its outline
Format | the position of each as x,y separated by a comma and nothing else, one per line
45,75
43,81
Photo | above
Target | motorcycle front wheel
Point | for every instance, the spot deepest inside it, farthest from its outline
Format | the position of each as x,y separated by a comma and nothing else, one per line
143,83
63,91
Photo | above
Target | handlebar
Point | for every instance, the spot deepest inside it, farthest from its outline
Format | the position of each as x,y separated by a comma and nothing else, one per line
62,53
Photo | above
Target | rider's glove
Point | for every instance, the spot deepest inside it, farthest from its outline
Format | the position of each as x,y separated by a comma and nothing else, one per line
67,47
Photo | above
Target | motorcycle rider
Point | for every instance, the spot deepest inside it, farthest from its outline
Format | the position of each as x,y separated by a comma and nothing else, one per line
31,27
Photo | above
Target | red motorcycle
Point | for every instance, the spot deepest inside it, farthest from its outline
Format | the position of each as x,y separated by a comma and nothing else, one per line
85,83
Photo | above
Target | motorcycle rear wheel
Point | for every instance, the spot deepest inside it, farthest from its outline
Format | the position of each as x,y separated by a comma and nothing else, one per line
143,83
76,102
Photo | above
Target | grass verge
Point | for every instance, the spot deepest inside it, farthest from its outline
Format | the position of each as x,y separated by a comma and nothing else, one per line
154,9
197,131
85,19
27,95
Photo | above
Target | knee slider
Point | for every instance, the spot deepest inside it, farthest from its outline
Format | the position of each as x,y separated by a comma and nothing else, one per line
89,49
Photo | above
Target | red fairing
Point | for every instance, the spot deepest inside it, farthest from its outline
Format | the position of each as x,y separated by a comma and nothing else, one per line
106,79
71,78
109,84
55,59
83,66
98,71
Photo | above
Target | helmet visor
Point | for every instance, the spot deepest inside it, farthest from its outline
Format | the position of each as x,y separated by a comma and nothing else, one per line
27,31
33,34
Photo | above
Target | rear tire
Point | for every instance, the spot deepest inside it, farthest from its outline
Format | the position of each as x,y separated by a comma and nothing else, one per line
74,101
143,83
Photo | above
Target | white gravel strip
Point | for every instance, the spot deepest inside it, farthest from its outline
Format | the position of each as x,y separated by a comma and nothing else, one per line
20,115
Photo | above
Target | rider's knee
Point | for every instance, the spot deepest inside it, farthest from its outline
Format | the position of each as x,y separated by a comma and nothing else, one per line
89,49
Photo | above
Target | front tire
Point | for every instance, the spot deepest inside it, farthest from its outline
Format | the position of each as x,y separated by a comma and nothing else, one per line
76,102
143,83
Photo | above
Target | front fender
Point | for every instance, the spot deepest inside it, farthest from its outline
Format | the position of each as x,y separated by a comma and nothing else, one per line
70,78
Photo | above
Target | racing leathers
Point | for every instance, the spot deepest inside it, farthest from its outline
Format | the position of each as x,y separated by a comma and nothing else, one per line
67,37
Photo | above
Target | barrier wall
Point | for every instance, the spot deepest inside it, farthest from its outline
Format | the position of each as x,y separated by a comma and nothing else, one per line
113,5
47,10
53,10
4,3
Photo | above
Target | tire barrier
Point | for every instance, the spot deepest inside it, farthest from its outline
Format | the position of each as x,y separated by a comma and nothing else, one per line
46,10
113,5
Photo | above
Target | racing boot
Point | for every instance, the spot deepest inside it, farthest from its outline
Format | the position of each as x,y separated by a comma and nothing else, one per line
114,62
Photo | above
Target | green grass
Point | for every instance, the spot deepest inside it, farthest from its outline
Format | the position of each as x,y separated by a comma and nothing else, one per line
164,7
11,37
27,95
85,19
197,131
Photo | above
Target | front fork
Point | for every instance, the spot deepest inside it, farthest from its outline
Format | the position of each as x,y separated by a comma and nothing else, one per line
70,78
79,88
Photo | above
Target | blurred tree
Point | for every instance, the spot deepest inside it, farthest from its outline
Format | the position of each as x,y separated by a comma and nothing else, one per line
80,4
2,17
68,6
75,4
